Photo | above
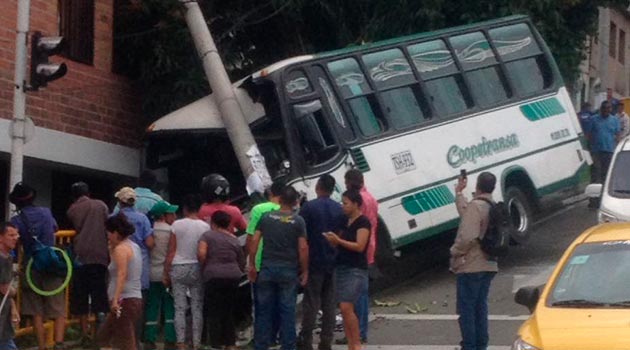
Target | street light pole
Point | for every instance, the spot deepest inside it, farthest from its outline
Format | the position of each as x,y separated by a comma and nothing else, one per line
249,158
17,130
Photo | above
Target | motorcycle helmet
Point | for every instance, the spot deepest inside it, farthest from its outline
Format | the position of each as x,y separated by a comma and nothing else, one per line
215,186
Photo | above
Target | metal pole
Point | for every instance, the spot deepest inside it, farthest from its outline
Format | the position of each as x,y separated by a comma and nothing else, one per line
249,158
19,97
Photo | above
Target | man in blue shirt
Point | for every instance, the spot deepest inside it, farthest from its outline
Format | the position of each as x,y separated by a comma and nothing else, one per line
320,215
37,223
604,131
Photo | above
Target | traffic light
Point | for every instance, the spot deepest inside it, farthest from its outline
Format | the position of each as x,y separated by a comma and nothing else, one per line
42,72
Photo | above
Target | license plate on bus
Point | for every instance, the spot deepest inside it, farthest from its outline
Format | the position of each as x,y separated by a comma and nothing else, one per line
403,162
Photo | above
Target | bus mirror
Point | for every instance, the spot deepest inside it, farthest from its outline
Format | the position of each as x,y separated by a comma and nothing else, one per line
307,124
593,191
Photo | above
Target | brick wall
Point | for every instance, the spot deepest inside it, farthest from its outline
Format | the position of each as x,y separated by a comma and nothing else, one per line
90,100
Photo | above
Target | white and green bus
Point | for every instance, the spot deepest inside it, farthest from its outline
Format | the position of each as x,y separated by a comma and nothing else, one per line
410,113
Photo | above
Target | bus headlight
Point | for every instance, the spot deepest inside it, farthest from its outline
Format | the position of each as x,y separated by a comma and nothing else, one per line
520,344
603,216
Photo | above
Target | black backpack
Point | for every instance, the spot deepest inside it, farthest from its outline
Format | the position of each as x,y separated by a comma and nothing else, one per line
496,241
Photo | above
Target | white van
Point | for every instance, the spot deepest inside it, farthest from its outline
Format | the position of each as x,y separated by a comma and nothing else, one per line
615,193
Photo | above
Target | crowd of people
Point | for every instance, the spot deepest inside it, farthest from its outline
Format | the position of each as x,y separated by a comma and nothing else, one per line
603,128
149,271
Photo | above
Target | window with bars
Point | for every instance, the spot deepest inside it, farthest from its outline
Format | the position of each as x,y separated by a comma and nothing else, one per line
76,25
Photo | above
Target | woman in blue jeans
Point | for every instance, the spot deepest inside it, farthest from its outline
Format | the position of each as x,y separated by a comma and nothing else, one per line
351,266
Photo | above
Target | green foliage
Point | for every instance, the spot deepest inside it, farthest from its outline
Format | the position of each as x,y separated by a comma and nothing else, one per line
156,49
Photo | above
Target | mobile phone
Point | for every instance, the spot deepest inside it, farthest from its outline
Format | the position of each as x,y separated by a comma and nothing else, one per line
463,174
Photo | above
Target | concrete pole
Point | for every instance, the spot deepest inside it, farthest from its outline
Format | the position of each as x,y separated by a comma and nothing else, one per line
249,158
19,98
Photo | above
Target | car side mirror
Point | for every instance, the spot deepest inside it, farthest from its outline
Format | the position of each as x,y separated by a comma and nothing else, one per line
593,190
528,297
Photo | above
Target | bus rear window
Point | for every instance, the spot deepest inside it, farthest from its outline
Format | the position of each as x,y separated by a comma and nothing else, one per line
515,41
526,65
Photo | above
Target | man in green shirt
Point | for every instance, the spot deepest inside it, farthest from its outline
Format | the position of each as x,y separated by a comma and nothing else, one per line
258,211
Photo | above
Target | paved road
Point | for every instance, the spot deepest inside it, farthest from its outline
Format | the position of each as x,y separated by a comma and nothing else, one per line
431,291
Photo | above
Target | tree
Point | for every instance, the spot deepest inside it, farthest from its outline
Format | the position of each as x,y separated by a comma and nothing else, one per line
154,47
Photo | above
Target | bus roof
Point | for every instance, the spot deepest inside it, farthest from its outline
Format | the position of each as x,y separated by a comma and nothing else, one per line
418,36
203,114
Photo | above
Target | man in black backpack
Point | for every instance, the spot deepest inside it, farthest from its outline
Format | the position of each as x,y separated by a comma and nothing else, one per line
474,269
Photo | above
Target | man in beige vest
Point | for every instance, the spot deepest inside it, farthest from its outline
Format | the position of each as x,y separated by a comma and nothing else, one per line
472,266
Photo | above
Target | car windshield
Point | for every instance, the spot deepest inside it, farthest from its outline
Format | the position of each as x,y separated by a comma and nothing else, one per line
596,275
619,180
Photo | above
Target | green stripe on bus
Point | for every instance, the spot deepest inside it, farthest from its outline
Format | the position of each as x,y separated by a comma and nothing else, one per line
430,199
542,109
359,160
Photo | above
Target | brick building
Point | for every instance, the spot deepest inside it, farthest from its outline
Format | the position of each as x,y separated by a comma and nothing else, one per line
89,124
607,62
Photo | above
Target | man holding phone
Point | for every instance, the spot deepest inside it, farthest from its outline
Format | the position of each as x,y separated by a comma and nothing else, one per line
472,266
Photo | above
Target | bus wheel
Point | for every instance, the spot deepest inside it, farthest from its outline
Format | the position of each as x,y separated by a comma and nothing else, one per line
384,254
520,213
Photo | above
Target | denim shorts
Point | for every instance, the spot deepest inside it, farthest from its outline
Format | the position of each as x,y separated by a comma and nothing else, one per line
351,283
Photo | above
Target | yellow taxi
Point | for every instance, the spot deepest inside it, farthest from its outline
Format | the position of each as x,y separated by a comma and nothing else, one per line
586,302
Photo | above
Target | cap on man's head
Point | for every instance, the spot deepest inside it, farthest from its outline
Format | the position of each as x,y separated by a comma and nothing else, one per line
162,207
126,195
22,193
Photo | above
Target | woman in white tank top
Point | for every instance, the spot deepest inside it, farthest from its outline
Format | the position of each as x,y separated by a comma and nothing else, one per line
124,290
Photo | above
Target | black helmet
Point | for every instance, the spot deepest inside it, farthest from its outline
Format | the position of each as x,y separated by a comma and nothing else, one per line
215,186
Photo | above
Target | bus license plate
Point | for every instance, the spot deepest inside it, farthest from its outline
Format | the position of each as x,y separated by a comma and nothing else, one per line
403,162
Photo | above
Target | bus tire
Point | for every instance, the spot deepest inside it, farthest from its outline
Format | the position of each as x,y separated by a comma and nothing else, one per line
520,213
384,254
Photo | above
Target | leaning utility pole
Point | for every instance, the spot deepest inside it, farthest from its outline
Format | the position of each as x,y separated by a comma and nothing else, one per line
18,123
249,158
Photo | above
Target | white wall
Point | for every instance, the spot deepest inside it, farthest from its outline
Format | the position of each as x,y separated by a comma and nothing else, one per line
76,150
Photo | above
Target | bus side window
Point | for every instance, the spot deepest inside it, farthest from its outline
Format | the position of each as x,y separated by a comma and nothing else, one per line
356,90
316,137
399,93
445,88
525,63
482,68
